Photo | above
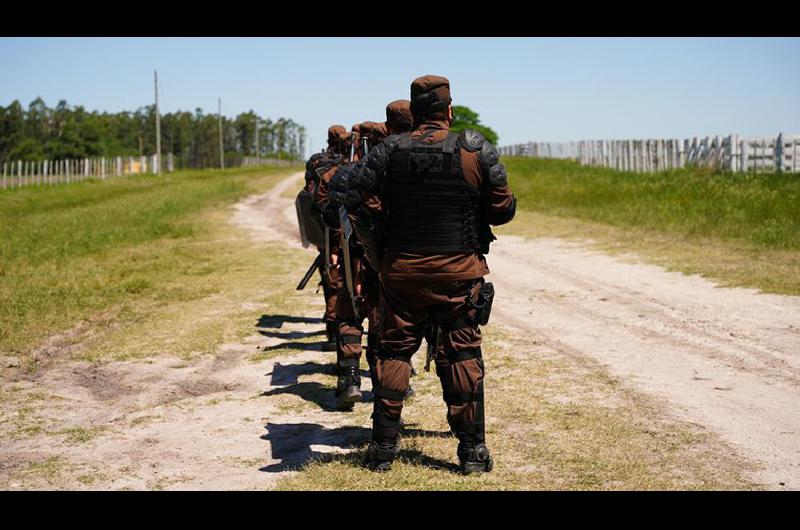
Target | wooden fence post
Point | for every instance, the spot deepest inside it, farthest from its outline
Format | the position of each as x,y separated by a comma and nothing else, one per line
646,156
745,155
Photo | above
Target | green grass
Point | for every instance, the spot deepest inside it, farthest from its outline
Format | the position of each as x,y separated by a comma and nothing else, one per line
758,208
86,251
739,229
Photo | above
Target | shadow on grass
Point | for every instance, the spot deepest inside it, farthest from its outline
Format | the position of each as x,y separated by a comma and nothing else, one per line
288,374
303,346
277,321
312,391
291,444
291,334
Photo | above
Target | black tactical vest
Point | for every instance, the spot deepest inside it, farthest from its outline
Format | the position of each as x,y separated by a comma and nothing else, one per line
431,209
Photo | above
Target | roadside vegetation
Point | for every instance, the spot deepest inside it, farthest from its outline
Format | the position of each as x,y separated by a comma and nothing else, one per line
78,258
738,229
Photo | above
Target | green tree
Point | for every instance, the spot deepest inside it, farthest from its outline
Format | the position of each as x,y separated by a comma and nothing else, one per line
466,118
40,133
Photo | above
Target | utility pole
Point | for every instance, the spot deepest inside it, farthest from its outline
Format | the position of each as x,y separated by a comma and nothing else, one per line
221,152
257,151
158,129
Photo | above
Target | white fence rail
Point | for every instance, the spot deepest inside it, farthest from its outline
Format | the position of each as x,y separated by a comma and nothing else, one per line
781,153
252,161
51,172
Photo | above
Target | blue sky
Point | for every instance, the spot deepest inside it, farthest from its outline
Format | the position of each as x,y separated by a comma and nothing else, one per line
548,89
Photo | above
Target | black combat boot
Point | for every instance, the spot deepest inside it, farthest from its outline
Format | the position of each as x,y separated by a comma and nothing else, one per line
380,455
384,446
474,458
331,336
348,385
473,455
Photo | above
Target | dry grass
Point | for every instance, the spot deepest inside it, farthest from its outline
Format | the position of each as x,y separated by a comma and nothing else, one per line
729,263
554,422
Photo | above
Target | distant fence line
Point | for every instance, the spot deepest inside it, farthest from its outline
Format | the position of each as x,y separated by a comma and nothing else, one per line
730,153
51,172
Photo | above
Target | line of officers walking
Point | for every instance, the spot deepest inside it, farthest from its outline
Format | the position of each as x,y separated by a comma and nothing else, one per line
400,212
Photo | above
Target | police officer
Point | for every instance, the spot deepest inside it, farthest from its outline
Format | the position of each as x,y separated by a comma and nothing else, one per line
430,196
318,166
351,315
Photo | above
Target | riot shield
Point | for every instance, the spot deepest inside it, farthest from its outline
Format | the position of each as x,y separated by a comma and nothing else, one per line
312,229
371,249
349,276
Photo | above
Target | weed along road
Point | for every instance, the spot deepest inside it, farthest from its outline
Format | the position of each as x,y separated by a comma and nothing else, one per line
604,372
727,359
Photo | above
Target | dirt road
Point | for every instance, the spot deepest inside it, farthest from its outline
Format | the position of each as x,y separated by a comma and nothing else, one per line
222,421
727,359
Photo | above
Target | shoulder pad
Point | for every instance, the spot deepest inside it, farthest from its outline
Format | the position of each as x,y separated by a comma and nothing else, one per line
314,161
378,157
392,140
471,140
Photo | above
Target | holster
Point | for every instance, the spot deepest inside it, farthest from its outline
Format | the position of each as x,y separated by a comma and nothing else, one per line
483,304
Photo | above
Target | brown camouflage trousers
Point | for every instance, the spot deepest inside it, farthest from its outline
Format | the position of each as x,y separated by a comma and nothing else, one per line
351,326
407,307
331,285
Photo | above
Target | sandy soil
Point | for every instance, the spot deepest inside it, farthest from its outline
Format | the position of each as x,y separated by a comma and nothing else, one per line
214,423
726,359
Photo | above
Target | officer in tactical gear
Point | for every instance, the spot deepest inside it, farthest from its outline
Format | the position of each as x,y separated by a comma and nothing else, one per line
430,196
349,380
353,308
317,167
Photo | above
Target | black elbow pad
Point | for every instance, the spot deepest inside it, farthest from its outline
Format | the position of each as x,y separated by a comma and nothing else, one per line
365,178
497,175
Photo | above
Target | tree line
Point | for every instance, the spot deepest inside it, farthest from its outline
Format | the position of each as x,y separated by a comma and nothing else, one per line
64,132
